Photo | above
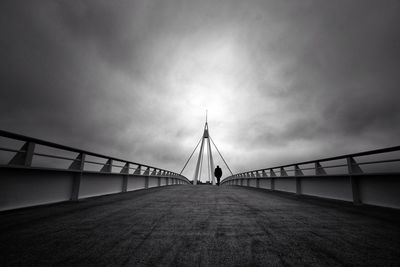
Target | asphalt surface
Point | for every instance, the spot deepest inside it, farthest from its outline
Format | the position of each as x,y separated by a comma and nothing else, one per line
200,226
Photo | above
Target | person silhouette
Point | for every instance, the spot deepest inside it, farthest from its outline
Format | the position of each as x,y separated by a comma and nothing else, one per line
218,174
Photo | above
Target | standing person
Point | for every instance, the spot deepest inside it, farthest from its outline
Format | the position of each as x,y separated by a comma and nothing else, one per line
218,174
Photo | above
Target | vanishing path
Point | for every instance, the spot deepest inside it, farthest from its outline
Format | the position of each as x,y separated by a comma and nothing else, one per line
200,226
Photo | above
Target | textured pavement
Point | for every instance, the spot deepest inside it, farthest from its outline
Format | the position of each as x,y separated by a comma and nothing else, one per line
200,226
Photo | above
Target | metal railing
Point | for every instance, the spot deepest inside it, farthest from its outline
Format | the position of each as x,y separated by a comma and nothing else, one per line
348,165
24,158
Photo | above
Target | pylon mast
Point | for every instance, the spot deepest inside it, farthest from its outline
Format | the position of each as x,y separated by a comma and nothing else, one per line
210,160
205,138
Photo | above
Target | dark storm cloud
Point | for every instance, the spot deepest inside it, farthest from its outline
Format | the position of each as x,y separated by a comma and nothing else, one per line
284,80
343,71
354,66
52,79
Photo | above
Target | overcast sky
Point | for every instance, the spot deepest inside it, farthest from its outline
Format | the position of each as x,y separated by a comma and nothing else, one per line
283,81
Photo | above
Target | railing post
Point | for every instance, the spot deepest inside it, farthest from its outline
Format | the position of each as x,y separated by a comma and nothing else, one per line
283,172
138,170
272,175
154,173
107,166
159,176
257,179
353,168
78,164
25,156
165,177
125,172
297,173
319,170
146,177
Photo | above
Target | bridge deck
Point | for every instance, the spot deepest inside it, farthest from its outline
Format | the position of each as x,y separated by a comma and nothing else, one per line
202,225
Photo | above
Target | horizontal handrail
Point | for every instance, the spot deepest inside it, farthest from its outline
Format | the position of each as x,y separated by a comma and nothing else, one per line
63,147
351,164
365,153
94,162
142,169
378,161
51,156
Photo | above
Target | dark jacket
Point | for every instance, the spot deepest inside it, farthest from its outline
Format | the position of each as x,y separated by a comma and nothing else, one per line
218,172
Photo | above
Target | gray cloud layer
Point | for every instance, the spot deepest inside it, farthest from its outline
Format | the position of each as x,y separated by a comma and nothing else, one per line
283,80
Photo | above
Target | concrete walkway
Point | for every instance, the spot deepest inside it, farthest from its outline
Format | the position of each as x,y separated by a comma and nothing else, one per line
200,226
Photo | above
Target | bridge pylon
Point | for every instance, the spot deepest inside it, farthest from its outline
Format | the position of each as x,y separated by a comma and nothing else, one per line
206,142
210,161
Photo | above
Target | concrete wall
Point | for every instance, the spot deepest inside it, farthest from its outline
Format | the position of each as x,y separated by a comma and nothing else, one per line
136,182
328,187
21,187
17,189
378,190
97,184
153,182
265,183
286,184
253,183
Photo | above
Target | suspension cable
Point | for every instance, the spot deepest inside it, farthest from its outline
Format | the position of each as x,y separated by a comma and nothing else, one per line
220,155
191,155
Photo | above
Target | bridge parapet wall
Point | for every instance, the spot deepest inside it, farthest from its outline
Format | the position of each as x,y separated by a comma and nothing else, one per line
370,177
41,172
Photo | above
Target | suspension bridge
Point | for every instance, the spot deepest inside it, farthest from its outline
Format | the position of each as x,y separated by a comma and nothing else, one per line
65,206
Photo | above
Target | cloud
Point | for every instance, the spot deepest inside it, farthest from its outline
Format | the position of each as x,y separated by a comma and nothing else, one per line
283,81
